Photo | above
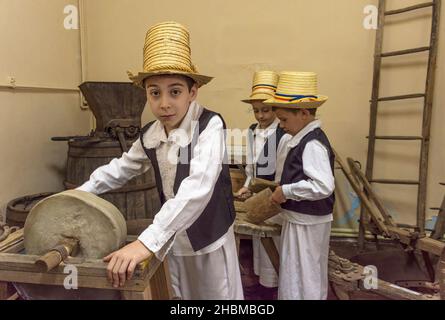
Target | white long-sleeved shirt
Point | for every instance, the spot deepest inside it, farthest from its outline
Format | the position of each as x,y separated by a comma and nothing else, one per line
316,166
179,211
254,148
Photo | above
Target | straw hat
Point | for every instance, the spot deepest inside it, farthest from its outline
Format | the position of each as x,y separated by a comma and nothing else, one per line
264,85
167,51
297,90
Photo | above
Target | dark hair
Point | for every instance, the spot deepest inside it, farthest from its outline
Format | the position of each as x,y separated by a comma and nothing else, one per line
190,82
312,111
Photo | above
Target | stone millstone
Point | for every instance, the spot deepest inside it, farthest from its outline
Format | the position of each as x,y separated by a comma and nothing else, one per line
97,224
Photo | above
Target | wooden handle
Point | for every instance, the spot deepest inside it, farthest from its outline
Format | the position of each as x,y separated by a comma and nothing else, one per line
49,261
55,256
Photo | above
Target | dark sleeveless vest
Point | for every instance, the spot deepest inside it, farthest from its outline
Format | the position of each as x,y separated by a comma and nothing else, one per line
293,172
219,213
265,167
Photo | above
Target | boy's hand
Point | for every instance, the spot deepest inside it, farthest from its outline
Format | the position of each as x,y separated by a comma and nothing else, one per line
123,262
243,193
278,196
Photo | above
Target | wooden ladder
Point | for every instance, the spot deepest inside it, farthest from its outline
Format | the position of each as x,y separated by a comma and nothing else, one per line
421,183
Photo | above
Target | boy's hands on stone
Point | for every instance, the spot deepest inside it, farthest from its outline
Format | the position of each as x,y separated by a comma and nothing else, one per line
123,262
278,196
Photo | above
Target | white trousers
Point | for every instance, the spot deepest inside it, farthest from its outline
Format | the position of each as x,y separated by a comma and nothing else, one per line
215,275
262,266
304,256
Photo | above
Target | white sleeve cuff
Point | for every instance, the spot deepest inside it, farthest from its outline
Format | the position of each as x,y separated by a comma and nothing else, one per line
288,192
247,183
157,240
87,187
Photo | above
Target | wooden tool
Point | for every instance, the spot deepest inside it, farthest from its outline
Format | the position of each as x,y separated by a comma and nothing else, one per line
257,185
57,254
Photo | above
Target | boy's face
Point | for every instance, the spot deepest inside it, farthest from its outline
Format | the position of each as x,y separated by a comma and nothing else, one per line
293,122
169,98
263,114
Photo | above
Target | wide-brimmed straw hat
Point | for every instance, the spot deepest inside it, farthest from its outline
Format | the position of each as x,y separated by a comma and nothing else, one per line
167,51
297,90
264,85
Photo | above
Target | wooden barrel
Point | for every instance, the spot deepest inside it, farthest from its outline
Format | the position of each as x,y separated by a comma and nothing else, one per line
138,199
17,209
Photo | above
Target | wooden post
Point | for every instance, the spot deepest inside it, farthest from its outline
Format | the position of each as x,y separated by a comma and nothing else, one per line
3,290
160,284
272,252
439,228
427,114
373,113
441,268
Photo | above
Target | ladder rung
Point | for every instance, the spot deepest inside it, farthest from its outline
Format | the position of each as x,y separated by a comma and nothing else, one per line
390,181
410,8
402,97
436,208
410,138
402,52
404,225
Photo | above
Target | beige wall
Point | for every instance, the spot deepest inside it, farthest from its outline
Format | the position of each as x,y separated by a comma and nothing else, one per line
37,51
232,39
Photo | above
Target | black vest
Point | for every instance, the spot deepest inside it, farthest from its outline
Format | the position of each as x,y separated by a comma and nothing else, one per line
219,213
265,167
293,172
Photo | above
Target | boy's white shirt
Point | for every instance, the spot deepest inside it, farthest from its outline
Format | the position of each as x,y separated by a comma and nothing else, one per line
316,166
258,144
179,212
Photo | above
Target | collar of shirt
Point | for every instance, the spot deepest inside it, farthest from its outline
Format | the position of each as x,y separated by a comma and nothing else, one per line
295,140
265,133
156,134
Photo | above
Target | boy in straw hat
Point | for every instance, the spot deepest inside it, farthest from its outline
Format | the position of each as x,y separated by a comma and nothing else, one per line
305,167
263,140
186,148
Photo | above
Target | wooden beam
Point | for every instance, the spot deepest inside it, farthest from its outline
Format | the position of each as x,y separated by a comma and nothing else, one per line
403,52
272,253
439,227
3,290
160,284
11,240
410,8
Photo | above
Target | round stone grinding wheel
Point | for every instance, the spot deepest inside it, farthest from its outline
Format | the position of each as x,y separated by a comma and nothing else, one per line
97,224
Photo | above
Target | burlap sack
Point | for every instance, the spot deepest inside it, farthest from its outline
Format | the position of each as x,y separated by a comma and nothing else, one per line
260,208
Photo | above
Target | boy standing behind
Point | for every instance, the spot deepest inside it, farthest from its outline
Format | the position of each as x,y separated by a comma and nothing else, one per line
305,164
263,140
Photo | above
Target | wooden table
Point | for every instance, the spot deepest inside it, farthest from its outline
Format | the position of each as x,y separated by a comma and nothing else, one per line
151,279
265,231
